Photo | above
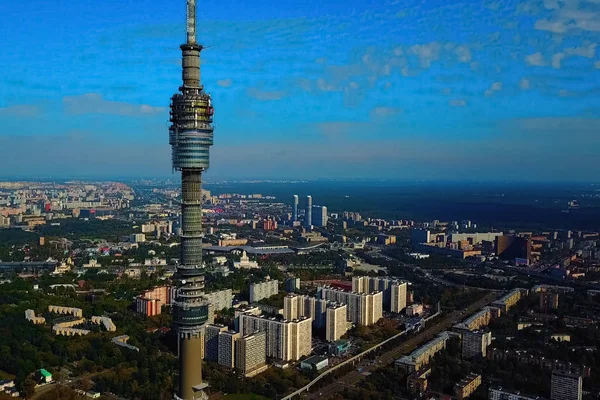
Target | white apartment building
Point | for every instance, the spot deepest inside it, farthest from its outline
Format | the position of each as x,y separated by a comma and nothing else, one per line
362,309
298,306
285,340
336,325
263,290
251,354
226,352
394,291
220,299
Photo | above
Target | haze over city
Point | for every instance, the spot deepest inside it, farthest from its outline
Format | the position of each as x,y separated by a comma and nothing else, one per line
330,89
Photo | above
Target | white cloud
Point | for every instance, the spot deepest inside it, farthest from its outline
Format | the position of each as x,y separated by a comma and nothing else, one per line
551,26
536,59
225,82
426,53
94,103
587,51
457,102
263,95
551,4
325,86
495,87
597,64
463,54
21,110
524,84
557,59
386,111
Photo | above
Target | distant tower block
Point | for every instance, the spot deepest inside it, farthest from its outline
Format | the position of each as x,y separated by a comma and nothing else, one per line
295,211
308,214
190,136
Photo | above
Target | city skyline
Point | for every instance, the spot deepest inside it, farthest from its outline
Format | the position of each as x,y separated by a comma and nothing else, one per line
512,79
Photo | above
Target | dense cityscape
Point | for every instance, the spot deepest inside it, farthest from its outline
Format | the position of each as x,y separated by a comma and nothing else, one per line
199,288
305,300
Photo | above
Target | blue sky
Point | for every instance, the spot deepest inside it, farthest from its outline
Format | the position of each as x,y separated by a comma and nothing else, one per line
505,90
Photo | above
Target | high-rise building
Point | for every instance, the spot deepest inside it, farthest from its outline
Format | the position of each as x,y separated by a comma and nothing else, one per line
394,291
566,385
475,344
190,136
319,216
512,247
226,353
418,236
363,309
548,300
295,209
251,354
292,284
308,212
336,325
398,296
263,290
211,341
300,306
286,340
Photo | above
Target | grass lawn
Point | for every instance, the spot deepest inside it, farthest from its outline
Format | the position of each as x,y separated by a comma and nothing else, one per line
240,396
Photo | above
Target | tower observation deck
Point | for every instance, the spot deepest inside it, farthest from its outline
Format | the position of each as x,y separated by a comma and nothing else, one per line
190,137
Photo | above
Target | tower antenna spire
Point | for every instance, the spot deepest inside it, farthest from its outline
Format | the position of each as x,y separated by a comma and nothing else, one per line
191,21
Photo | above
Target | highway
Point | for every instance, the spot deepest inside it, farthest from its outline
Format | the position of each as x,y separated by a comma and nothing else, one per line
353,377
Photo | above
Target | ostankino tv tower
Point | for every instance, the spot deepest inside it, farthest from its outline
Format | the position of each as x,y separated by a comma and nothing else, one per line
191,135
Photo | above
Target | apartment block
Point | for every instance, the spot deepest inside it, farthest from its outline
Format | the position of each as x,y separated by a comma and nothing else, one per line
398,297
336,325
150,302
30,316
226,351
362,309
417,382
394,291
548,300
299,306
475,343
566,384
479,320
148,307
251,354
499,393
292,284
467,386
510,299
222,299
211,341
421,356
263,290
286,340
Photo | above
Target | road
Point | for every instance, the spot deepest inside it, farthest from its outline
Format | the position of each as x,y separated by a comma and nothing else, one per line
354,377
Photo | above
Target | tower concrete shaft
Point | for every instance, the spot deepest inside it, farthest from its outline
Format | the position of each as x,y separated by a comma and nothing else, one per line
190,136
